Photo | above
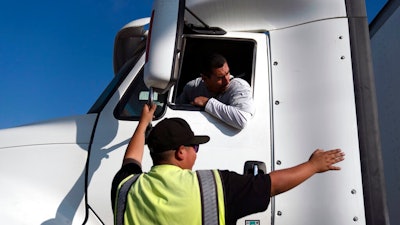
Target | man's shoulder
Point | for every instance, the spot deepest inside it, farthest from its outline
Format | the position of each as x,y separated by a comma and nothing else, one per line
233,176
227,174
127,170
238,85
240,82
195,82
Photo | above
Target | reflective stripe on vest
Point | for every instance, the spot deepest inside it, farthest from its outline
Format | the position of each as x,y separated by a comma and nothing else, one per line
209,201
121,199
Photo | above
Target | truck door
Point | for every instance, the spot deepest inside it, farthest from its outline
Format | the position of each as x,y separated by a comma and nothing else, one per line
230,148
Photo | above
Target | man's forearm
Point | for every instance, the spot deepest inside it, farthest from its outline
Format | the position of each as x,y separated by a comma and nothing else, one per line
135,147
286,179
136,144
229,114
319,162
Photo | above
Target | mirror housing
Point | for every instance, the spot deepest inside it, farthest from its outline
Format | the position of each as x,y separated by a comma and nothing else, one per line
164,44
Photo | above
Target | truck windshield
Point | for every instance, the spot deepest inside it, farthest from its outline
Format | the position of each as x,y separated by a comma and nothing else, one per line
114,84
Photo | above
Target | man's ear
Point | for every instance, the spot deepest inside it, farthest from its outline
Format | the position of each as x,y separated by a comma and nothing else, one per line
180,153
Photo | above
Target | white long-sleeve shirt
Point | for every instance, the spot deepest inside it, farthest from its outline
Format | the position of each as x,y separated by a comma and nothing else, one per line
234,106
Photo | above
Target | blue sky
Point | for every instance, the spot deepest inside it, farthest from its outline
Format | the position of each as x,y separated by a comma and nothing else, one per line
56,56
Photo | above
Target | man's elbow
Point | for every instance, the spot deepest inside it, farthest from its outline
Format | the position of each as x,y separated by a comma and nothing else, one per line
240,125
278,185
242,120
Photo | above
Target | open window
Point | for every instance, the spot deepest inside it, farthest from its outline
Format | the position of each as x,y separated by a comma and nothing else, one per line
238,52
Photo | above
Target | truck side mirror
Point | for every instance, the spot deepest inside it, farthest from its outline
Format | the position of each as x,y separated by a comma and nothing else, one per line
254,167
164,44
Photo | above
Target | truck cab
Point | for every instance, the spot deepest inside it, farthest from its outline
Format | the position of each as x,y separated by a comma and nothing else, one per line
298,58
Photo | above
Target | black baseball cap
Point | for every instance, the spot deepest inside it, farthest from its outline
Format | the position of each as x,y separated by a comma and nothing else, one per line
171,133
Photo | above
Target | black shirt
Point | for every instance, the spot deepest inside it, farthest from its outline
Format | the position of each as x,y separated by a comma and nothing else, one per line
243,194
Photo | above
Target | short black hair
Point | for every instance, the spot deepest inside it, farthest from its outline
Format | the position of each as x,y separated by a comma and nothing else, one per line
161,157
210,62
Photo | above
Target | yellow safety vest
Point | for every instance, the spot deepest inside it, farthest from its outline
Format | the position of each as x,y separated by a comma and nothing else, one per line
170,195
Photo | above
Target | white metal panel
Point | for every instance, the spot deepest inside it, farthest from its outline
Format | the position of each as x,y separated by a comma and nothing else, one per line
239,15
74,129
42,171
312,86
43,184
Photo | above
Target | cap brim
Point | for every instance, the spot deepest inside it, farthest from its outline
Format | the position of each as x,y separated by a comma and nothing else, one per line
200,139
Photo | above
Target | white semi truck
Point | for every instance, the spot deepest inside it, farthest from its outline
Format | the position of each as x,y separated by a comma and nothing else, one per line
308,63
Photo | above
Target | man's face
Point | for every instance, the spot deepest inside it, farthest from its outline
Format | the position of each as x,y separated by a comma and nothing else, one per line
187,156
218,80
192,156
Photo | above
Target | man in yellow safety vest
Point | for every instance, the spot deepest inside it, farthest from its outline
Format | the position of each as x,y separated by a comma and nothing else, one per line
171,193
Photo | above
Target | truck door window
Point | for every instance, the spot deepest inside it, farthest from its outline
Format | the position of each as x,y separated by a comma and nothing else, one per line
238,53
131,104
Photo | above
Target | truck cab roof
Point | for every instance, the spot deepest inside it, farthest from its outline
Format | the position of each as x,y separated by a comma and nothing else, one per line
258,15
